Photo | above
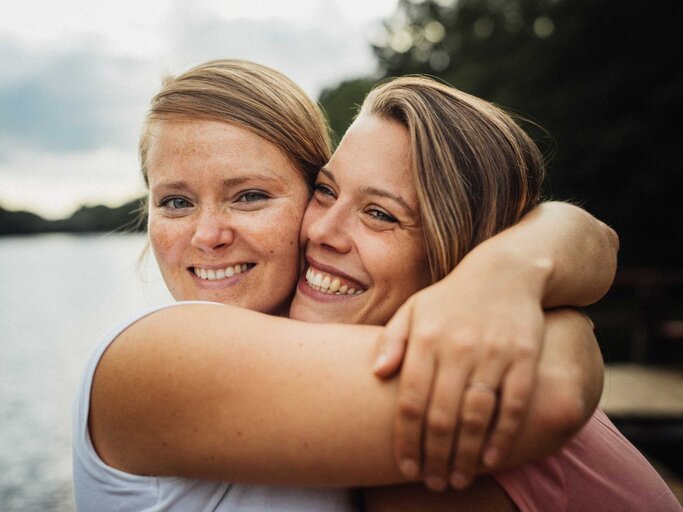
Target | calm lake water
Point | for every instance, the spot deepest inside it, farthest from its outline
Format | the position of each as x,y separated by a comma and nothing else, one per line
58,294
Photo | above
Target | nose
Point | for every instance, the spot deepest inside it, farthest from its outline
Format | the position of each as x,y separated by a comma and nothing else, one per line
328,227
213,229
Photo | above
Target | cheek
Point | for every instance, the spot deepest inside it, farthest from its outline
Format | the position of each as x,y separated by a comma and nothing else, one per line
406,270
279,235
164,241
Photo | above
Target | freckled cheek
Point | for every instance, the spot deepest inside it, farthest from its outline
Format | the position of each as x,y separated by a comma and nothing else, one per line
287,233
167,243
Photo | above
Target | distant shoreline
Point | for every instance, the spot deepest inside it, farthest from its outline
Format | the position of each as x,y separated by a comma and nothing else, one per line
87,219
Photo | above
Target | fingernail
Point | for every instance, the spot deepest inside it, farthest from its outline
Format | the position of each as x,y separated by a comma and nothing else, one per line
459,480
435,483
409,468
491,457
379,362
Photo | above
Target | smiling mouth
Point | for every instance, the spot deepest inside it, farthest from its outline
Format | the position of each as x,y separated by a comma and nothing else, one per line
210,274
330,284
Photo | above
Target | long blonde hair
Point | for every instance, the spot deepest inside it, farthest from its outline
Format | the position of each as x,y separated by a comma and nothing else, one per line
476,171
253,96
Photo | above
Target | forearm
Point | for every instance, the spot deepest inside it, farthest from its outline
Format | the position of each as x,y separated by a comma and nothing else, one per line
567,390
568,255
185,392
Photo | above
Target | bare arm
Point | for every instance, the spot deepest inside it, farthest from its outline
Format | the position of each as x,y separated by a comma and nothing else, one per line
185,392
579,250
483,324
570,383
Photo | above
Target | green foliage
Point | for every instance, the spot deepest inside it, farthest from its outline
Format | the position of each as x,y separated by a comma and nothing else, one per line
342,102
603,77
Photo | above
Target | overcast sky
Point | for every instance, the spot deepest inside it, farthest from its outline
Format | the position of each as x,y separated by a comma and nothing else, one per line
76,77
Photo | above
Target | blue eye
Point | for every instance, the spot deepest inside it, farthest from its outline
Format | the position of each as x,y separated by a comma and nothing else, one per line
175,203
252,196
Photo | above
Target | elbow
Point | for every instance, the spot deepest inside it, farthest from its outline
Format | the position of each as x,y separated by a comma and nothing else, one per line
610,247
564,416
573,401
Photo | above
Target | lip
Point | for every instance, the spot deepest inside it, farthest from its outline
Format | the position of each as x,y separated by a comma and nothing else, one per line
334,271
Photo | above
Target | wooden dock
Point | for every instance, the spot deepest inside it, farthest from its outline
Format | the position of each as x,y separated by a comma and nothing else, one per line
633,390
642,395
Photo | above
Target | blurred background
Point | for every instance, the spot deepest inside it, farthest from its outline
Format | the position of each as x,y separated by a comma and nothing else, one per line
598,84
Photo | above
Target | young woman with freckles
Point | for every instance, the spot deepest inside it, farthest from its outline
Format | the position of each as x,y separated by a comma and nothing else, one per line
203,394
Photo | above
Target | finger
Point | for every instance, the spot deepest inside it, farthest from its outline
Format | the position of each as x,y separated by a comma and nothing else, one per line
444,405
514,401
391,345
478,407
414,387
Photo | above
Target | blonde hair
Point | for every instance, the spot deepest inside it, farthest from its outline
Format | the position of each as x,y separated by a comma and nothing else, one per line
252,96
476,171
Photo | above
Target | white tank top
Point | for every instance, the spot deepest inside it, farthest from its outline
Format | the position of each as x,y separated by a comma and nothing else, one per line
98,487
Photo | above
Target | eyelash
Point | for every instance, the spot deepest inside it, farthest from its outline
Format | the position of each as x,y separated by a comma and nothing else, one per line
262,196
165,203
374,213
381,216
323,189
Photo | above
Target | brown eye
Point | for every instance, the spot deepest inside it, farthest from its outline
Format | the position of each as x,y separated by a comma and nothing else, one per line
323,190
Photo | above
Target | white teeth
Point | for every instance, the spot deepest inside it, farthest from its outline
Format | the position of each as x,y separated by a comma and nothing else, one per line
215,275
328,284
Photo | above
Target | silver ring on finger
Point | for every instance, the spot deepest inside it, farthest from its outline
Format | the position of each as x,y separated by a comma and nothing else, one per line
483,387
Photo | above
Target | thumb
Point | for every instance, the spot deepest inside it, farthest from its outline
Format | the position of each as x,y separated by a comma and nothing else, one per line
391,345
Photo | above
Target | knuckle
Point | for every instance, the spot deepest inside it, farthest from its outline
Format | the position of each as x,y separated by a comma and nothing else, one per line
474,421
427,336
525,349
440,424
410,406
494,349
514,409
464,344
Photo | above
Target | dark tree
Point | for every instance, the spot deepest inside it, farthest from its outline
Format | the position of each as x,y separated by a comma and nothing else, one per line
602,77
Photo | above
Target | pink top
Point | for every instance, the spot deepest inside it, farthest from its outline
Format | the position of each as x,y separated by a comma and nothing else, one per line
598,470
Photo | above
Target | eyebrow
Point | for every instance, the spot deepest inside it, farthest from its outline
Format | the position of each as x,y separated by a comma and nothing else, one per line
227,183
375,192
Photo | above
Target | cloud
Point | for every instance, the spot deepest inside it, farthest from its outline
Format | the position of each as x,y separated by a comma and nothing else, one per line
69,98
72,104
313,56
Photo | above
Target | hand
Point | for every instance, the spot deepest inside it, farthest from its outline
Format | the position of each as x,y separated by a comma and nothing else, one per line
473,342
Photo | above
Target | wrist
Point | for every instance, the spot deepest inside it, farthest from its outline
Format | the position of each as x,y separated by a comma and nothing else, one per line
526,271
